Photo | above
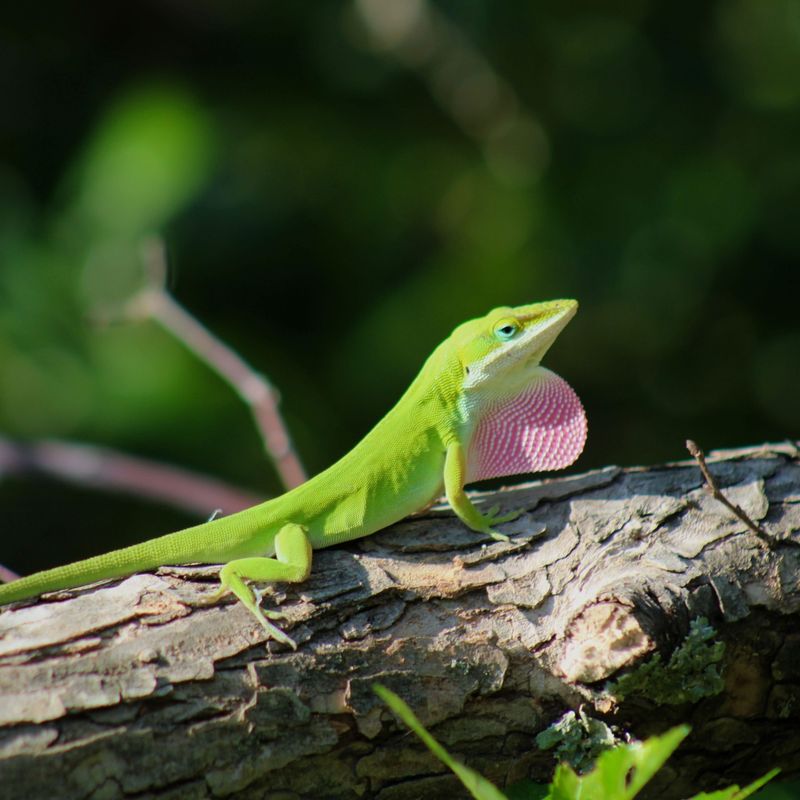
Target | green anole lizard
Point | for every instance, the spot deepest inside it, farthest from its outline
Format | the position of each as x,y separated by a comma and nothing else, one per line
481,407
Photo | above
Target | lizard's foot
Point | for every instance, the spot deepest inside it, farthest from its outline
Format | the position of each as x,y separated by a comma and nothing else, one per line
212,598
259,596
261,614
273,632
292,563
491,519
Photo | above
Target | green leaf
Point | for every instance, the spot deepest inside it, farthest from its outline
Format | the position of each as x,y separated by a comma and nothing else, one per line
148,157
619,773
476,784
734,792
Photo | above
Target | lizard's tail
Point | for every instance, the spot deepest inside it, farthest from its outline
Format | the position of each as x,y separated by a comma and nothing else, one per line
210,543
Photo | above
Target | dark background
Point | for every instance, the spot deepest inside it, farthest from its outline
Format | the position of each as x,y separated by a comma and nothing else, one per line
339,184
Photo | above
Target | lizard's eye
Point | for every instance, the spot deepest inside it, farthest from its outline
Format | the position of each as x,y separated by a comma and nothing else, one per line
506,329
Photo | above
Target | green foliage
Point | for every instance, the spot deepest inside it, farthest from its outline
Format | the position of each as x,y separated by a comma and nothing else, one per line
734,792
618,774
578,739
477,785
332,209
148,156
690,674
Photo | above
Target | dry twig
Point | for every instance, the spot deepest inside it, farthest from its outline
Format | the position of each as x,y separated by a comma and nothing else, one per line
155,302
7,575
713,489
104,468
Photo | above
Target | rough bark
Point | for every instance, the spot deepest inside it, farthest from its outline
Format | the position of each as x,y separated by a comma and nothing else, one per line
133,689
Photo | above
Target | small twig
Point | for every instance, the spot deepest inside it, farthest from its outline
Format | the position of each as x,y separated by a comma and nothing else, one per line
103,468
712,487
156,303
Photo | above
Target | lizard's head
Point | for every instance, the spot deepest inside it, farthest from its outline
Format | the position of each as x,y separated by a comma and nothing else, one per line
505,347
523,417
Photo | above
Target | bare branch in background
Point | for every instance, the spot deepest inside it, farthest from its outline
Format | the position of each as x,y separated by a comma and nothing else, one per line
462,81
154,302
7,575
103,468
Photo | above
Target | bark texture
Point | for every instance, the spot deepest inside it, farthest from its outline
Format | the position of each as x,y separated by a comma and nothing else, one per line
134,690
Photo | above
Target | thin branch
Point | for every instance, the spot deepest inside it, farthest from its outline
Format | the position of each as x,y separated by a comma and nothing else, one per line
712,487
7,575
110,470
154,302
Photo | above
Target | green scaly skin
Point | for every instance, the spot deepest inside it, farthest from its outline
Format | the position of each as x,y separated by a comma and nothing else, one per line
417,450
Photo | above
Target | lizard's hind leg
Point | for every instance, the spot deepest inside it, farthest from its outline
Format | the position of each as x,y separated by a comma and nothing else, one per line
292,564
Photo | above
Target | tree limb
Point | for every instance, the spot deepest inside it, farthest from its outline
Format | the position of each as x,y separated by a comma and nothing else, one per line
134,689
156,303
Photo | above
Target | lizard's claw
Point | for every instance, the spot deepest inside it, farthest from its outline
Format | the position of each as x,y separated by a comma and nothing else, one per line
259,596
493,519
274,632
273,614
213,597
265,614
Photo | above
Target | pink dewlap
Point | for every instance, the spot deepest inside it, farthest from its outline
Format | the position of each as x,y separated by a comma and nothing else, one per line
543,427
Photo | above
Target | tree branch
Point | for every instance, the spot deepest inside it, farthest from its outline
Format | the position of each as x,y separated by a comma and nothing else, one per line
154,302
136,689
7,575
111,470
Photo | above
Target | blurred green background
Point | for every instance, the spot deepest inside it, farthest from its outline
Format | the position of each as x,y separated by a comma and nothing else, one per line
339,184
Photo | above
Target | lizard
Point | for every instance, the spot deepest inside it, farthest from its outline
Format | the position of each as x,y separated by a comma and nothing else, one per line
482,406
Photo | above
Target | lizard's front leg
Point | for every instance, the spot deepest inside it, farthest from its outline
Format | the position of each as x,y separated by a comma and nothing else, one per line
455,470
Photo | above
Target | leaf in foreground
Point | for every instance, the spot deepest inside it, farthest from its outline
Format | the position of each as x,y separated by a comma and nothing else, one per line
619,774
477,785
734,792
